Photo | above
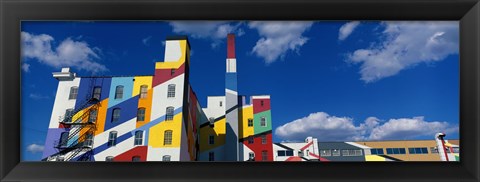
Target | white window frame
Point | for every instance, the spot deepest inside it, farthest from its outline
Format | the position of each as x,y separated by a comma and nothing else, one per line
263,123
112,138
169,113
143,91
119,91
171,91
73,93
138,140
168,140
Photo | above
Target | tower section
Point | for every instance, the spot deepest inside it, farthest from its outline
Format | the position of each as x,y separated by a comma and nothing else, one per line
231,99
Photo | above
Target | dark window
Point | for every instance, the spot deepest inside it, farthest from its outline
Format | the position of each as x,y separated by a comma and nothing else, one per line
264,155
167,137
169,115
171,91
93,116
261,103
141,114
68,115
264,139
289,152
250,122
250,139
119,92
433,150
135,158
172,71
112,138
251,156
211,156
88,140
138,138
281,153
263,121
97,92
166,158
211,139
221,103
143,91
63,139
419,150
109,158
377,151
396,151
73,93
116,114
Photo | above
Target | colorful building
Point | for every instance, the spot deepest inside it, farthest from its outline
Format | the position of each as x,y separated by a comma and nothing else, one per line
404,150
156,117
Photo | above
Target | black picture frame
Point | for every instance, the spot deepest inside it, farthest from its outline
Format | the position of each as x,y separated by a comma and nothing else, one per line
12,12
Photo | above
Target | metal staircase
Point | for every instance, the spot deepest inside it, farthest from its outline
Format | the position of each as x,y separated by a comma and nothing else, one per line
75,146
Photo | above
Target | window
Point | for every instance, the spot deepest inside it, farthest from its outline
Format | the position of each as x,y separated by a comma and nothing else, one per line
73,93
433,150
396,151
119,92
250,122
251,156
141,114
336,152
264,139
250,139
116,114
172,71
211,156
284,153
136,158
456,150
109,158
143,91
171,91
167,137
264,155
422,150
63,139
68,115
60,158
261,103
376,151
221,103
169,115
88,140
97,92
93,116
325,152
263,121
211,121
300,153
352,152
138,138
211,139
166,158
112,138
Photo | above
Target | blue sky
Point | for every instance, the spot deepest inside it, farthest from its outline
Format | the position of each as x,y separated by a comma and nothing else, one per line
334,80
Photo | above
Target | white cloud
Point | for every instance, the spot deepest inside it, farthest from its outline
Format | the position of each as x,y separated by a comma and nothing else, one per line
35,148
277,38
145,40
69,53
215,30
38,96
406,44
347,29
26,67
332,128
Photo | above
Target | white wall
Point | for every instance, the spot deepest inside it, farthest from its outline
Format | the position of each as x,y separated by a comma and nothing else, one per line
62,103
213,106
120,147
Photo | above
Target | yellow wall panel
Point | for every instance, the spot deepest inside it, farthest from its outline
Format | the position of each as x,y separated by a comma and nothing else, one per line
156,132
374,158
246,113
139,81
218,131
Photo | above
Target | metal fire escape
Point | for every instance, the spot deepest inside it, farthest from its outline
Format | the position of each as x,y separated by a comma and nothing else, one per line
78,145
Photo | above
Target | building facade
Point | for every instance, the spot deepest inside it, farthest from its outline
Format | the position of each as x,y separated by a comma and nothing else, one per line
405,150
156,117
